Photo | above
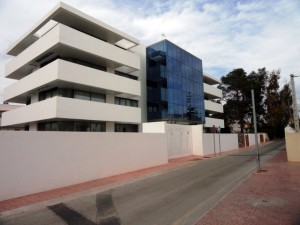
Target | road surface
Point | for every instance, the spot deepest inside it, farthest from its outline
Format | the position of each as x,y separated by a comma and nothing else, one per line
179,197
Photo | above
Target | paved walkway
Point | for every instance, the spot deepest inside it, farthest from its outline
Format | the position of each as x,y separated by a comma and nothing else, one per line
271,197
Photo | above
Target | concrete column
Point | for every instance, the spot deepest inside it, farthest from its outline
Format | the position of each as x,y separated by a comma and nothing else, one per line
110,99
141,74
34,98
33,127
110,70
197,139
110,127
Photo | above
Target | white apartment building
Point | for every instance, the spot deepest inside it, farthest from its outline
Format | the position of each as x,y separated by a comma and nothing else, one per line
212,97
76,73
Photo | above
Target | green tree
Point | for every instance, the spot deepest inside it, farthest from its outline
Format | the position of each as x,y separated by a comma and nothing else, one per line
278,106
235,87
257,81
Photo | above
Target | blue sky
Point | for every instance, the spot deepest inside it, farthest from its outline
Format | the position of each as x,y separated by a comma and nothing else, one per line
224,34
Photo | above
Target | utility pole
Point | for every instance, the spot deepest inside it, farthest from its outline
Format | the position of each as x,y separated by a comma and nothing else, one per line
295,108
255,132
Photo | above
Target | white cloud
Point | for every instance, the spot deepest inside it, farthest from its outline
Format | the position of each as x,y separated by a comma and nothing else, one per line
224,34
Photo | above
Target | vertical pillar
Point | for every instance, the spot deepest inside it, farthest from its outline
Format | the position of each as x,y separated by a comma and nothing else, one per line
295,108
33,127
110,126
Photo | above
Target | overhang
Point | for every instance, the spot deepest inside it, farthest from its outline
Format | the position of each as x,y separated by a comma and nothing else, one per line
69,16
208,79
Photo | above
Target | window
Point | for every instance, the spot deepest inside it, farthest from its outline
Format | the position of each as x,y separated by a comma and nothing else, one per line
98,127
70,93
126,128
83,95
54,126
126,102
48,94
65,125
48,126
97,97
126,75
82,126
41,126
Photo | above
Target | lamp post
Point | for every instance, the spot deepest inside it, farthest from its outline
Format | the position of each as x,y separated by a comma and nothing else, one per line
255,132
295,108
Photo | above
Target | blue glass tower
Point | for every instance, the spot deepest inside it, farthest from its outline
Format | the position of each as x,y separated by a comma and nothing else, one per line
174,84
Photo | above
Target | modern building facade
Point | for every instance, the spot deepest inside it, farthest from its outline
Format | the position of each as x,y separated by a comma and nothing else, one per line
177,89
174,85
212,101
75,73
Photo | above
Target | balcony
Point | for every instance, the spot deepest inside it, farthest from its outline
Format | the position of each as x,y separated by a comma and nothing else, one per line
71,17
75,109
212,92
61,73
213,107
68,42
210,122
208,79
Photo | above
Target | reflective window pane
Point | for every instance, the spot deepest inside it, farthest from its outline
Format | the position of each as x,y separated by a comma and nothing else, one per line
97,97
82,95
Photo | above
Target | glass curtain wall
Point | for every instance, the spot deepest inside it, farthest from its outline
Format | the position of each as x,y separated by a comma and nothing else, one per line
174,84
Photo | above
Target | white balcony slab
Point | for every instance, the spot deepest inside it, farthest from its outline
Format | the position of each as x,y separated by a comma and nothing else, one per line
61,73
213,107
69,42
210,122
68,15
74,109
211,91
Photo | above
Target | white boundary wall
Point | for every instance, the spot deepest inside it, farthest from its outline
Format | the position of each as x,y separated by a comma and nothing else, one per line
186,140
179,137
180,141
228,142
32,162
252,138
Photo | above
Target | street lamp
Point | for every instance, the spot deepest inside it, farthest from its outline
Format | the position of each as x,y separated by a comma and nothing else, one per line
295,108
255,132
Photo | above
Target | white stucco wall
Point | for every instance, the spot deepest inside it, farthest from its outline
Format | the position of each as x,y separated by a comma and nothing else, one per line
179,139
33,162
154,127
183,140
252,138
141,74
197,137
228,142
292,147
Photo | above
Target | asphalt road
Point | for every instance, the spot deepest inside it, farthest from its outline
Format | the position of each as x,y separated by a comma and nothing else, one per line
179,196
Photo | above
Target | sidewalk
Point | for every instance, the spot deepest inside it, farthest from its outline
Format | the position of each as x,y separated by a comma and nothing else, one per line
271,197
